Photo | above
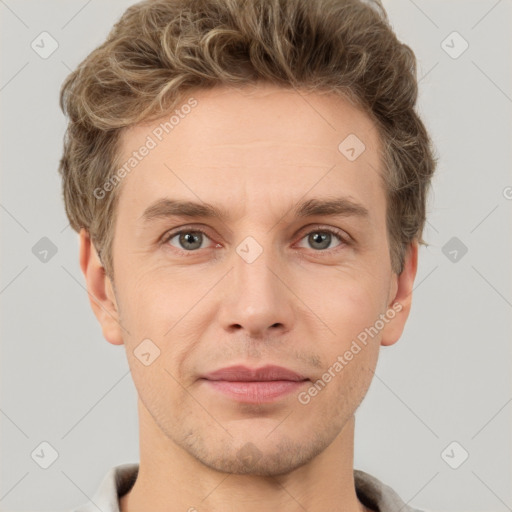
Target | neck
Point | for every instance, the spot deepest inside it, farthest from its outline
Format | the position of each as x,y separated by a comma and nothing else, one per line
171,479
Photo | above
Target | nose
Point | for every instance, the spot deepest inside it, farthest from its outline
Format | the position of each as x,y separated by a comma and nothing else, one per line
257,298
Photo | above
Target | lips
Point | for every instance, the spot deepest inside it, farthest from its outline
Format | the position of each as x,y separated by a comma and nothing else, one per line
245,374
254,385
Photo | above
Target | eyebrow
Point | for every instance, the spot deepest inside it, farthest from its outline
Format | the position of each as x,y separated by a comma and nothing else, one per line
166,207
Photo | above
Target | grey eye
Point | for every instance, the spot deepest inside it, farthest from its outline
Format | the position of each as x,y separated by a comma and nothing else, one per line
188,240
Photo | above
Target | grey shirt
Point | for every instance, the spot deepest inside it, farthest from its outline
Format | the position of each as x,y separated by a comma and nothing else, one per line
120,479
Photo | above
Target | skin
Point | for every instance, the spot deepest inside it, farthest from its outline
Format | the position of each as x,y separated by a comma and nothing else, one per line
257,153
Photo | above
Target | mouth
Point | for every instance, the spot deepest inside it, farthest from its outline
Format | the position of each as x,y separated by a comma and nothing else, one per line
255,385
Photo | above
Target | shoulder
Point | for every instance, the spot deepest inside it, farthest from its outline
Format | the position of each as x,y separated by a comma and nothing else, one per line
378,496
116,482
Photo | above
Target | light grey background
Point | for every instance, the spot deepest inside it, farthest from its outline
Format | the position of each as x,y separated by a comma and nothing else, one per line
448,378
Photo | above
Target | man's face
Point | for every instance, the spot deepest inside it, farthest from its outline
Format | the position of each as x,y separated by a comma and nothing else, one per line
262,286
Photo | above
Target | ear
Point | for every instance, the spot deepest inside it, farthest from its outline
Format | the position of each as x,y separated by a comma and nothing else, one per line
100,290
400,297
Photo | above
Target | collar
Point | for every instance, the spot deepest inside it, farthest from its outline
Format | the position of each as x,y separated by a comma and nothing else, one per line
120,479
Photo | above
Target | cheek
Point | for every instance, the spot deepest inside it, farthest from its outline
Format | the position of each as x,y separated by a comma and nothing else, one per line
350,355
164,315
349,305
156,301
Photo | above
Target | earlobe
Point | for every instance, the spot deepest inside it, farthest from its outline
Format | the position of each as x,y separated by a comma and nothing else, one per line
100,290
399,306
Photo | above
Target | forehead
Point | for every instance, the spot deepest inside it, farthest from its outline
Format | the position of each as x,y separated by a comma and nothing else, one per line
253,144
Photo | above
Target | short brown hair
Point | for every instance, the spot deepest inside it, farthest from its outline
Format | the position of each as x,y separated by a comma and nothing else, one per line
160,50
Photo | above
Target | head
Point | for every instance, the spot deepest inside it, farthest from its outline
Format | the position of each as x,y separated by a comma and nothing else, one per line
292,125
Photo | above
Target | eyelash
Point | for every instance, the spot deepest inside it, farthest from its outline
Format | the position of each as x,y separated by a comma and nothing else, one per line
344,241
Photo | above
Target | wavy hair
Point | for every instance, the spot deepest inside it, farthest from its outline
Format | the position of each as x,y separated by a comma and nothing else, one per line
160,50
